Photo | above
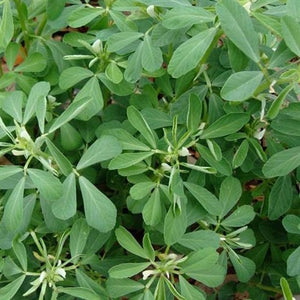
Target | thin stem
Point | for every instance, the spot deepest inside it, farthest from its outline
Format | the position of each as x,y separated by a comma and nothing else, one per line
268,288
18,4
41,25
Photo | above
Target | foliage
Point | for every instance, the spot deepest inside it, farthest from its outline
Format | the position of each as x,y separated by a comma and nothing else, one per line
150,149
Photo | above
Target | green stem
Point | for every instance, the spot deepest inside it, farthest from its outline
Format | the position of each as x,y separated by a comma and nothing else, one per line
41,25
18,4
268,288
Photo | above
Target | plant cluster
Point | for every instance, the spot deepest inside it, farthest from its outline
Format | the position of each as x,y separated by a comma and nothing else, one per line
149,149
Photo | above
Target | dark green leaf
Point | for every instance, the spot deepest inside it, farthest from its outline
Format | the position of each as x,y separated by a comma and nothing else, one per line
126,160
35,62
69,77
240,217
290,29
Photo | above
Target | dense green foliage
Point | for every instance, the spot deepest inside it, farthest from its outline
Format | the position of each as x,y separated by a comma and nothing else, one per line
150,149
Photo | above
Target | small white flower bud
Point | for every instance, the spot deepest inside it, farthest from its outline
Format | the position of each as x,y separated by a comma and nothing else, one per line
24,134
97,46
151,11
166,167
42,276
61,272
148,273
184,152
259,134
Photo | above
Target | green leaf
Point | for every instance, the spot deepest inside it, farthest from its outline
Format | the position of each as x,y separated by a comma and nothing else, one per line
11,53
189,291
55,8
287,293
200,239
151,55
230,193
21,254
65,207
293,9
71,76
70,113
127,269
92,91
7,25
12,105
186,17
127,141
291,223
35,62
141,189
241,86
125,160
225,125
121,287
152,211
79,292
240,154
188,55
238,27
200,260
49,186
139,123
243,215
78,237
100,212
293,263
128,242
282,163
280,198
83,15
148,248
215,149
174,226
62,162
13,212
205,198
276,104
121,21
271,23
104,148
8,171
9,290
124,88
213,276
6,79
134,66
290,29
194,113
244,267
113,73
121,40
39,91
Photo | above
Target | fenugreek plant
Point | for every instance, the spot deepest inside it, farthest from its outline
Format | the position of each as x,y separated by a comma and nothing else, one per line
150,149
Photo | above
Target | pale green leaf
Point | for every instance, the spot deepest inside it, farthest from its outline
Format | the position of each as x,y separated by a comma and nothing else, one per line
69,77
188,55
65,207
241,86
70,113
127,269
128,242
100,212
126,160
282,163
104,148
35,62
238,27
